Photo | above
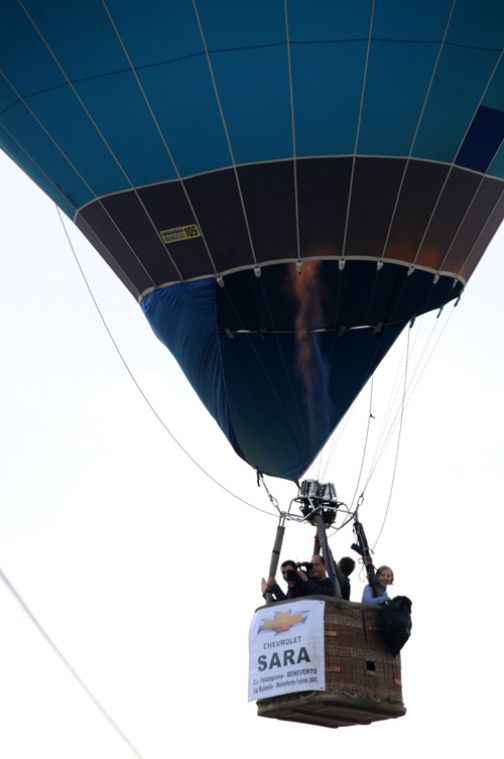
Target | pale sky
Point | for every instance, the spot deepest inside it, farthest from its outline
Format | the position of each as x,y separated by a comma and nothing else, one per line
145,574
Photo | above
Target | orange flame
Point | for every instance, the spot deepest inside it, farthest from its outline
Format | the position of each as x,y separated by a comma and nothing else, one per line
306,288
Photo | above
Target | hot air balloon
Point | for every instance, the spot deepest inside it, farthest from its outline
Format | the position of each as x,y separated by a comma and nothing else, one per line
336,170
282,186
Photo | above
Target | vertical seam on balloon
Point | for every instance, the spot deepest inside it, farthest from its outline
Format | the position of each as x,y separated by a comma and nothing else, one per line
352,170
450,169
271,161
279,346
137,384
417,128
21,147
395,300
223,375
124,277
293,129
72,166
422,111
273,262
452,164
224,126
160,132
262,366
469,255
456,234
352,173
357,132
231,153
165,248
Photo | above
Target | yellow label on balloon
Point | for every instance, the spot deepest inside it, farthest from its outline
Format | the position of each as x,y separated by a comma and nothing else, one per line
179,233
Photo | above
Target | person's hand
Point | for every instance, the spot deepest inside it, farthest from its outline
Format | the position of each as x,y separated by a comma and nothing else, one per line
267,584
303,575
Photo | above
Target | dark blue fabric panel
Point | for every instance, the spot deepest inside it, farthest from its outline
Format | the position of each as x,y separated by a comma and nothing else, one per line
56,111
416,20
183,318
327,86
256,23
41,158
112,100
399,73
68,202
275,397
183,100
483,140
454,98
323,21
355,296
496,168
254,92
396,105
165,46
248,52
494,95
19,45
247,46
157,31
282,416
478,24
81,33
83,149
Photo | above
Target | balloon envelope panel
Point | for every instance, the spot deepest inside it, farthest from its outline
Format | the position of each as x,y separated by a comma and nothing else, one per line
196,143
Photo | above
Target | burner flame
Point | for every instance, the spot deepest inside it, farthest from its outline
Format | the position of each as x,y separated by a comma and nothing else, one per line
307,290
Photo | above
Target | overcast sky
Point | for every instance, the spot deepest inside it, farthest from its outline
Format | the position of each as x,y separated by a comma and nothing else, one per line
146,574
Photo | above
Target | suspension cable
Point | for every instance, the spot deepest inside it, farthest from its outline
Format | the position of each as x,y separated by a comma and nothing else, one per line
412,385
10,587
370,416
140,390
388,421
398,442
273,500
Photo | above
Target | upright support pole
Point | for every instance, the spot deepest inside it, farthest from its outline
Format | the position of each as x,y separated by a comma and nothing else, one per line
326,553
362,548
275,556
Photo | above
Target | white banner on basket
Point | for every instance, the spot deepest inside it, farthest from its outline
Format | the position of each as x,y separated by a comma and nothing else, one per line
286,649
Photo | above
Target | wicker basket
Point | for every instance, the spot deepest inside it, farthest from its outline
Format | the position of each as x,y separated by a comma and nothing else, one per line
363,681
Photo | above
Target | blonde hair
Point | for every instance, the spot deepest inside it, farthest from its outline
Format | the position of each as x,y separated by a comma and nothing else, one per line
384,568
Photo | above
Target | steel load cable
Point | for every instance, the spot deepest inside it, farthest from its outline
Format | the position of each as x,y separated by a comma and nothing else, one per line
66,662
216,92
388,429
95,126
100,134
389,418
139,388
163,139
397,447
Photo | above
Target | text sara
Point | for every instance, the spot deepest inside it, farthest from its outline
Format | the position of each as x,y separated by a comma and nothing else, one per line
287,657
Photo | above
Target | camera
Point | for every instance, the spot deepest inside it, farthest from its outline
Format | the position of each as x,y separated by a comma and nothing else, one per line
291,575
305,566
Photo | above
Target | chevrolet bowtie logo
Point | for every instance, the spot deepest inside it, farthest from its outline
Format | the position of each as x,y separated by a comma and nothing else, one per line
283,621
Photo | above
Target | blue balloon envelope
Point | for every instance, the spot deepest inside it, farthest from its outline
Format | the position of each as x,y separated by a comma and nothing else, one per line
282,187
